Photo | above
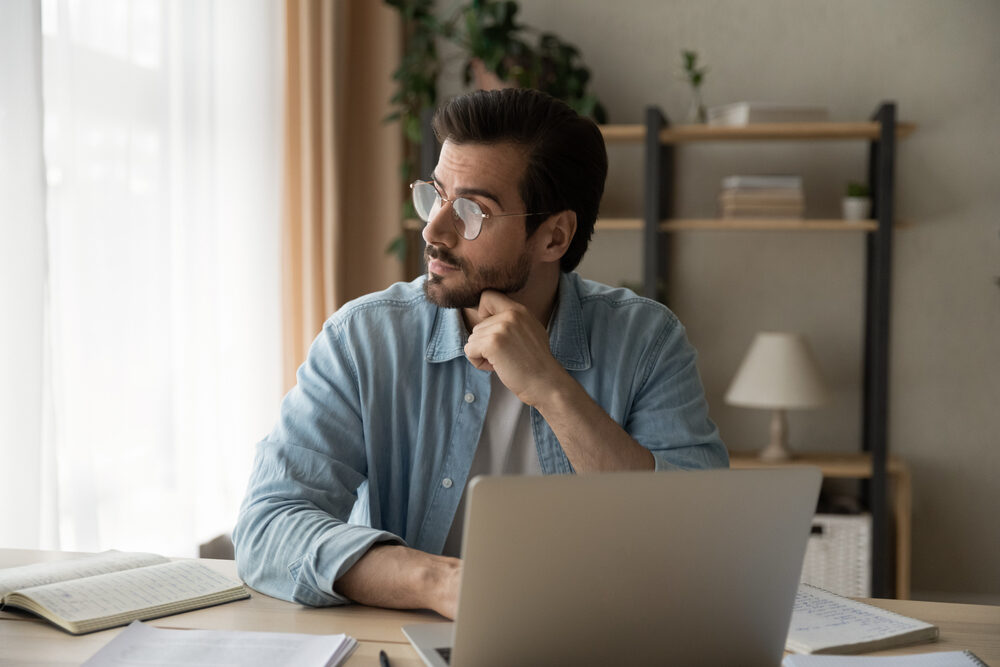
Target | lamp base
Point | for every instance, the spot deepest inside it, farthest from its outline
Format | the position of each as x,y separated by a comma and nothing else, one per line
774,454
777,449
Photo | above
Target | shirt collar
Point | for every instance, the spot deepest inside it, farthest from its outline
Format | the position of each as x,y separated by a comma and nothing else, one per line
567,333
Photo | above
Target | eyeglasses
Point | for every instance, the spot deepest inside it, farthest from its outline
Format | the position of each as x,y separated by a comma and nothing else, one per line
466,214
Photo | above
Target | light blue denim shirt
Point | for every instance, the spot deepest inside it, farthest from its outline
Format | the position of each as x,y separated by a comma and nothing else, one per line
388,411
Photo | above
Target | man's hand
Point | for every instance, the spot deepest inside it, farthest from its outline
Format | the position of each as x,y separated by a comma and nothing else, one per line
511,342
399,577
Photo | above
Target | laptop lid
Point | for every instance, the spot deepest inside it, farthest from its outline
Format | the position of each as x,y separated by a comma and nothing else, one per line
693,568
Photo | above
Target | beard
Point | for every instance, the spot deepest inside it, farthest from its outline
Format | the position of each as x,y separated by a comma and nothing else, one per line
505,279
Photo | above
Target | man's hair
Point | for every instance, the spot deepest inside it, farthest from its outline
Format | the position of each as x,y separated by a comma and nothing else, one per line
567,160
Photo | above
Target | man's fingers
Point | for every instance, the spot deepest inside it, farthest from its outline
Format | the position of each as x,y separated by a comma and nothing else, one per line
492,302
474,355
483,365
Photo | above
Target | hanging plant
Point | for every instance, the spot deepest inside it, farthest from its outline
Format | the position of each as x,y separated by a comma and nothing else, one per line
492,42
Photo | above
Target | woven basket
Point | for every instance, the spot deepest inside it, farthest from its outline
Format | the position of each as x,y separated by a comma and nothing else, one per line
838,556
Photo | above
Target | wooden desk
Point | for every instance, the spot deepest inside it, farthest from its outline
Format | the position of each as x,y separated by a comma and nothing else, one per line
859,466
25,640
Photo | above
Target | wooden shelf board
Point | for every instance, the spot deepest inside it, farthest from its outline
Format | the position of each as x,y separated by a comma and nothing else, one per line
619,224
843,465
623,133
767,224
743,224
759,132
679,225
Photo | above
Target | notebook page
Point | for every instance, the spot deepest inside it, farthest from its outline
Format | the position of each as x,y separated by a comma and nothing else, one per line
118,592
820,618
38,574
941,659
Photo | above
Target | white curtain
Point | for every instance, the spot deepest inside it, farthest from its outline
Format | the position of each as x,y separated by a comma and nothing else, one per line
23,468
162,147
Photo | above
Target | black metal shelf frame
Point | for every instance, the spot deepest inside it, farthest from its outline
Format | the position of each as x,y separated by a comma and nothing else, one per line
658,198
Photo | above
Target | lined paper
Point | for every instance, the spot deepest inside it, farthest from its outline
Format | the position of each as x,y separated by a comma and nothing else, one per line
823,621
39,574
117,592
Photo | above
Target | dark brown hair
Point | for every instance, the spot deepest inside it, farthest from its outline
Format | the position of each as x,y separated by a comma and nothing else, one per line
567,160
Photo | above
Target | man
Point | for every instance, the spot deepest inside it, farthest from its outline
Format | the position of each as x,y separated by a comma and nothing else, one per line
500,360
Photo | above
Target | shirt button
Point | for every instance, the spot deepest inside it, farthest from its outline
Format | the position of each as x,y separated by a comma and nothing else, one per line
446,482
470,397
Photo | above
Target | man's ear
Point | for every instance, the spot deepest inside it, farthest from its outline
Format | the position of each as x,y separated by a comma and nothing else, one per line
555,235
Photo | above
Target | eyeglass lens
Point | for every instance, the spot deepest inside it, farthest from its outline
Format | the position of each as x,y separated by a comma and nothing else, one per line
468,215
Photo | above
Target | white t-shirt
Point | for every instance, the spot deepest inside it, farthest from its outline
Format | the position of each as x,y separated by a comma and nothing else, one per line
506,447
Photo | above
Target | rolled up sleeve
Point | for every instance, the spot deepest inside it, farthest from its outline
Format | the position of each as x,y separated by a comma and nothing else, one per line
292,537
669,415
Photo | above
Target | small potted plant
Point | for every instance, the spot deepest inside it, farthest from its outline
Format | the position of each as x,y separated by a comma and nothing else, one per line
695,76
857,203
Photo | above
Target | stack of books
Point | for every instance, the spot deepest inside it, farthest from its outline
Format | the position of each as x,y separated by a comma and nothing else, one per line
762,197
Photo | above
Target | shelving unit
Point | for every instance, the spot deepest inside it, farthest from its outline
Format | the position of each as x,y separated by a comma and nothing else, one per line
881,132
763,132
660,140
859,466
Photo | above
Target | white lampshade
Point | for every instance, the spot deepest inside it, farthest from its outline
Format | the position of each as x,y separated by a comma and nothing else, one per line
779,371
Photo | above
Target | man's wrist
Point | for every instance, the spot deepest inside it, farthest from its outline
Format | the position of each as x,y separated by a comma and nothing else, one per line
436,583
399,577
560,395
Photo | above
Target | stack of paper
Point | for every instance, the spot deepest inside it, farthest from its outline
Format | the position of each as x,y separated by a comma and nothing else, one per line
939,659
144,645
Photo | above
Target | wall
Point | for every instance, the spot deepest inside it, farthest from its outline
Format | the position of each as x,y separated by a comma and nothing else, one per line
940,61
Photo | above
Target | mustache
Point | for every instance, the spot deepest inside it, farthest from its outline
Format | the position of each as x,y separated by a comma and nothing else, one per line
444,255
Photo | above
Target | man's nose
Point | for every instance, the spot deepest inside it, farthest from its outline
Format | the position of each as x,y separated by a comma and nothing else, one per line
440,229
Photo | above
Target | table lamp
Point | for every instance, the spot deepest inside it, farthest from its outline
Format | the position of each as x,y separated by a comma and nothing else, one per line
779,372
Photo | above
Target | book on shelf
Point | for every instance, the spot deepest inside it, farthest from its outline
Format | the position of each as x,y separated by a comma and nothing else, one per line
762,197
763,212
823,622
762,182
114,588
748,113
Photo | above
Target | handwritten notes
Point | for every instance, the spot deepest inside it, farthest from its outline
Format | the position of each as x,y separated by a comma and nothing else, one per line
104,590
826,623
39,574
143,588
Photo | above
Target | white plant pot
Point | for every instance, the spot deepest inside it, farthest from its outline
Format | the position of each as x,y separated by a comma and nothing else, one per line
856,208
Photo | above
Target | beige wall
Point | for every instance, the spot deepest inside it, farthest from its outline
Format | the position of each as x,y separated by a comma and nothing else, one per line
940,61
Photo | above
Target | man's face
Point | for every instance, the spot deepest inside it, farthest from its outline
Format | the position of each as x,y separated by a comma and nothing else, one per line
459,270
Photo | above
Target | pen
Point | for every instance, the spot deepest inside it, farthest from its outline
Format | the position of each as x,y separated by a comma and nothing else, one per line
383,659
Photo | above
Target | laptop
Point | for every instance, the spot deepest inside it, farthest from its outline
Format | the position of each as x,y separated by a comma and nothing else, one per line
686,568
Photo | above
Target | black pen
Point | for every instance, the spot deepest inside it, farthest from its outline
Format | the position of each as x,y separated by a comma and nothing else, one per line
383,659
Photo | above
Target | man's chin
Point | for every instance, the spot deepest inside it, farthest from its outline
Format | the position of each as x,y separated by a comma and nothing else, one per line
443,297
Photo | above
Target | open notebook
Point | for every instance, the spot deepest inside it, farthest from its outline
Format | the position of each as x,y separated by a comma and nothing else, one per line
114,588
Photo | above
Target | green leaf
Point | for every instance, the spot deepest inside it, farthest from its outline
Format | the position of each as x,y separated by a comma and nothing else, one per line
397,247
411,126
